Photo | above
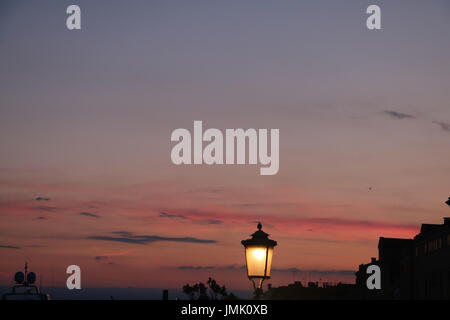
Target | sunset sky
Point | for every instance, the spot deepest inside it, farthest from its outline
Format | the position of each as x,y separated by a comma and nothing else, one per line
86,116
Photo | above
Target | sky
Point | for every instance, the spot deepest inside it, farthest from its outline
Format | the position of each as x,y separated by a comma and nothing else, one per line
86,116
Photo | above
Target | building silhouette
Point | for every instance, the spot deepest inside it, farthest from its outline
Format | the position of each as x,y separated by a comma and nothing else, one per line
432,261
417,268
313,291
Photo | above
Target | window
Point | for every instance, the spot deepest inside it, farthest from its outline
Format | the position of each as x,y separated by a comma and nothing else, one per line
434,245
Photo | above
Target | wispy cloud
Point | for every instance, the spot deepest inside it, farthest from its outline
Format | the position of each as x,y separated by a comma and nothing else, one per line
45,208
171,216
212,221
88,214
109,255
123,233
181,216
398,115
365,224
128,237
235,220
226,267
105,259
9,247
42,199
444,125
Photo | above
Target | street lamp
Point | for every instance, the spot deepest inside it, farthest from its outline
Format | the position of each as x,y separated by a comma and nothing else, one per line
258,257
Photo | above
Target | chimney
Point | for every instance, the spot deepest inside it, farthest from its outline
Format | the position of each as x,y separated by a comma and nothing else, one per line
165,294
447,221
373,260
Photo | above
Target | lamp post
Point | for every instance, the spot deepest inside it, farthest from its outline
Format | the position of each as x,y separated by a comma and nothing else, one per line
258,258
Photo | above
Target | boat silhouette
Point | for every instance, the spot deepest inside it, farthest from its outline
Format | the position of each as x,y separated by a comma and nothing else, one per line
25,288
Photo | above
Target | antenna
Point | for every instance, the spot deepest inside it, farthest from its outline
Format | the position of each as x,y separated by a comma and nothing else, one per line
41,280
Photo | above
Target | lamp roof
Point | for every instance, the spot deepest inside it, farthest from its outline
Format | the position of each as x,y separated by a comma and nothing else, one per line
259,238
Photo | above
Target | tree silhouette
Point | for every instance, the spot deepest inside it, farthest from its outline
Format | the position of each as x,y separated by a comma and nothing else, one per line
211,291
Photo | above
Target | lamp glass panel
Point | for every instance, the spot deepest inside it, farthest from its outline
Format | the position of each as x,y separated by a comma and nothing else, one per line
269,261
256,261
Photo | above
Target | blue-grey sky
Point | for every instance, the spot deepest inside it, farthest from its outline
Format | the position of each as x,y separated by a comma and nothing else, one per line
86,117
